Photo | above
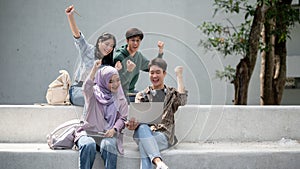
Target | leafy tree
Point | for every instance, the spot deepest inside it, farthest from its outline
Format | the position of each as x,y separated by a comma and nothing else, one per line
264,29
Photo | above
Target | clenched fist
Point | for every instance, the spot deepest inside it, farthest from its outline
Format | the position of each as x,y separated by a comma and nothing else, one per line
178,71
160,46
118,65
130,66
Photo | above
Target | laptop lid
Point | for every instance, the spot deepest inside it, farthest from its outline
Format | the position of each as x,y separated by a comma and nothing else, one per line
146,112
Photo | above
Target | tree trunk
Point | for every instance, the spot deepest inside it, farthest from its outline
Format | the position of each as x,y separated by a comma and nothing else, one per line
280,71
267,64
281,54
273,71
241,82
246,65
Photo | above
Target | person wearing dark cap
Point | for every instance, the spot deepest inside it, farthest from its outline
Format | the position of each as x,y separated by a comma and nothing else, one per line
129,61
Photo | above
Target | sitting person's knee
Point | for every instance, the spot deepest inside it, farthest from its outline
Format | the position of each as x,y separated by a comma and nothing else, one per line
90,146
143,127
108,145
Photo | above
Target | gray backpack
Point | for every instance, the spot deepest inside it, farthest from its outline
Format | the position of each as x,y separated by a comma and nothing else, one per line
63,136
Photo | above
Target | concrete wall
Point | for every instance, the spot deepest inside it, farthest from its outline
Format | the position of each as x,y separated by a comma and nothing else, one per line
36,43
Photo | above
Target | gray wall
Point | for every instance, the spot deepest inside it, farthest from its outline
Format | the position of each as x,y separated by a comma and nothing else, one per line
36,43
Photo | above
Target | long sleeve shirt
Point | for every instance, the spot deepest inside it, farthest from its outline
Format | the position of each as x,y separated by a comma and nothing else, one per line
172,101
95,113
87,58
129,79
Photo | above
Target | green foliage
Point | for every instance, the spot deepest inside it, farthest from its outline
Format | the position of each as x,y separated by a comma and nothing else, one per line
288,17
226,40
230,6
228,74
229,39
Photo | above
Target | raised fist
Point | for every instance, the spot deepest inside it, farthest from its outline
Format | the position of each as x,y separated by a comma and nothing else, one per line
160,44
179,70
69,10
130,66
118,65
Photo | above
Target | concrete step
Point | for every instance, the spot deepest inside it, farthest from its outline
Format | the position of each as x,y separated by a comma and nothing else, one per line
232,123
263,155
194,123
32,123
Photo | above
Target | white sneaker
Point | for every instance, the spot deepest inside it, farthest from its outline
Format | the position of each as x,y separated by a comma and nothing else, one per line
161,165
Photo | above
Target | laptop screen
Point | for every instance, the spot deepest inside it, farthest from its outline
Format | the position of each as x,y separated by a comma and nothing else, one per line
146,112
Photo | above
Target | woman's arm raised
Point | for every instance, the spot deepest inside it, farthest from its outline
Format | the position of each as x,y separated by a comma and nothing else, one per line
93,72
70,14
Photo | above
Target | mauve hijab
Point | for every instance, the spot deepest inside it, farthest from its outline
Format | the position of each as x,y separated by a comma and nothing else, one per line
105,97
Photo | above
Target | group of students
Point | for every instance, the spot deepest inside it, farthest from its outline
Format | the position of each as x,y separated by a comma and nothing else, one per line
104,85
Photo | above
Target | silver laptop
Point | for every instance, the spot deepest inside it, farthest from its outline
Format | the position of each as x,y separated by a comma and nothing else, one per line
146,112
95,134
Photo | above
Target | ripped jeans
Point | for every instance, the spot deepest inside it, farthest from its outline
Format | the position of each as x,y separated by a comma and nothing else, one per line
150,143
87,152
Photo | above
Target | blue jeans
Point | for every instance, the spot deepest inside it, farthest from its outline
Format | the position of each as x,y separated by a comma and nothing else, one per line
87,152
76,95
149,143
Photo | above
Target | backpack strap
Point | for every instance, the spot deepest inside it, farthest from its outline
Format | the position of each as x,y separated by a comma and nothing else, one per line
66,124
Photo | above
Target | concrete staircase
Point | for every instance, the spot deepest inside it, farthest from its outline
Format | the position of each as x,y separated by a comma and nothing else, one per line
209,137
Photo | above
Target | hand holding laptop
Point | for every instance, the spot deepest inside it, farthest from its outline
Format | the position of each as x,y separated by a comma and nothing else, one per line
110,133
132,124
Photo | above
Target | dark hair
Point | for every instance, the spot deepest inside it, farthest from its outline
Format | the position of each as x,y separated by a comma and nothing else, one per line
134,32
158,62
107,60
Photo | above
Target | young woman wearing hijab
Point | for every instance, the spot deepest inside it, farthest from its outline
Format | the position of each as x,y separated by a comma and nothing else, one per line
88,54
106,111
